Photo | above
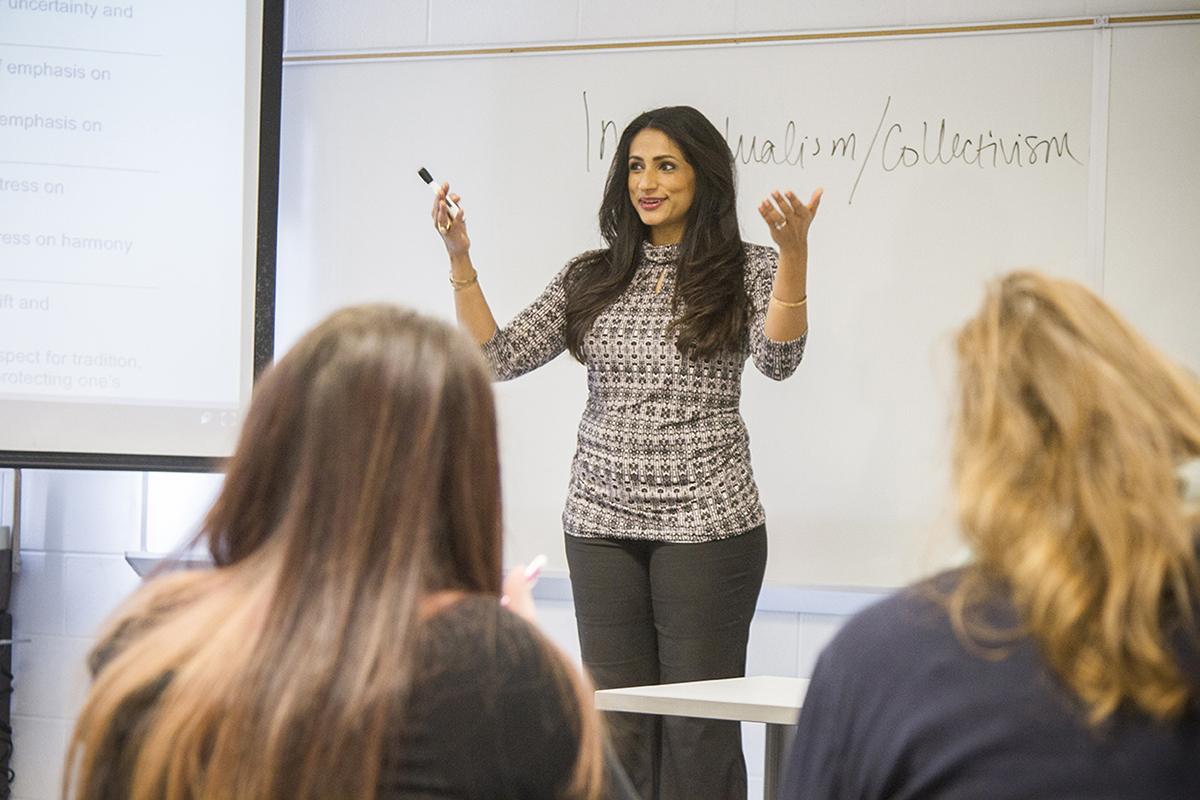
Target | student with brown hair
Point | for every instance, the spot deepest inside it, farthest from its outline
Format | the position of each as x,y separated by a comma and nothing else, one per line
1064,659
350,642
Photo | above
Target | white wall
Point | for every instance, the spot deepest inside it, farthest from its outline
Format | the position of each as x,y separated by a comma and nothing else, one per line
77,526
75,529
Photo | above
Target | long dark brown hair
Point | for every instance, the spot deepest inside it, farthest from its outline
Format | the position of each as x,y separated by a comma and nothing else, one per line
365,483
711,304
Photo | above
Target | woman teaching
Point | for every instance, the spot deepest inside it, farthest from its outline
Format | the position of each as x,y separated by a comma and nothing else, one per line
665,534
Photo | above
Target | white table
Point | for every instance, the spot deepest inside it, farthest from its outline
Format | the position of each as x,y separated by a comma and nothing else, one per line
761,698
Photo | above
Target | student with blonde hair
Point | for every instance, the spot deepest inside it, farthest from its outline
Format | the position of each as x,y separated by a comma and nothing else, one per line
350,642
1064,659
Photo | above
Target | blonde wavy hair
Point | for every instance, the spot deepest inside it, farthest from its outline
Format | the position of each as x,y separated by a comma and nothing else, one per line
1069,435
364,494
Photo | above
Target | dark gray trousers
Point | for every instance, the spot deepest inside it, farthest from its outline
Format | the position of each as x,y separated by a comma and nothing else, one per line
660,612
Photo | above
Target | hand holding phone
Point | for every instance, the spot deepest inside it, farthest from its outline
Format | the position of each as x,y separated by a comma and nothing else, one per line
517,596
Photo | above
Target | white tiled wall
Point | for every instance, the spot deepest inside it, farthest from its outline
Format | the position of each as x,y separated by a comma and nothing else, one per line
175,505
78,525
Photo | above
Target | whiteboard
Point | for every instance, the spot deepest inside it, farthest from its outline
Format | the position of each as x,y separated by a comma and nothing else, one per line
1152,244
957,158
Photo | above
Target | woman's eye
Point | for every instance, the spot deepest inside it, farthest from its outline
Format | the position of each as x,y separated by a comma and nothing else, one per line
667,166
635,167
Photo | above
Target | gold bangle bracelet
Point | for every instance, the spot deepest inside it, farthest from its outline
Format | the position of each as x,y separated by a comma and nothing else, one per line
786,304
460,285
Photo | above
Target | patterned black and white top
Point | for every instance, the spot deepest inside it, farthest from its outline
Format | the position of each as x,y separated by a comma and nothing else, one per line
663,453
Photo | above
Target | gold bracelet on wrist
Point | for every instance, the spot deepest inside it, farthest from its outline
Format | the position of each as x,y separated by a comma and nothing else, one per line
460,285
786,304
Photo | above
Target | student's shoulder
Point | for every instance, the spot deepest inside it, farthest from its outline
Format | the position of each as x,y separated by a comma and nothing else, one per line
910,619
476,625
152,605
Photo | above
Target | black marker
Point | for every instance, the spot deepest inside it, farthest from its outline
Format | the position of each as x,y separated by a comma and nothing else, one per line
425,176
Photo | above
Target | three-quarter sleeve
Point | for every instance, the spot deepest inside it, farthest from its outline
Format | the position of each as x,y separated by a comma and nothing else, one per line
776,360
533,337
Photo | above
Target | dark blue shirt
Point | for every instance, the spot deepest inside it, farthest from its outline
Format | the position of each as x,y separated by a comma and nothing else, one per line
899,708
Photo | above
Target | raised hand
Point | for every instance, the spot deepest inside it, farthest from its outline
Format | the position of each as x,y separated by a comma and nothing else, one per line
789,218
452,229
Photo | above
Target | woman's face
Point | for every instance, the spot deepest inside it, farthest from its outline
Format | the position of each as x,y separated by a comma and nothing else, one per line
661,185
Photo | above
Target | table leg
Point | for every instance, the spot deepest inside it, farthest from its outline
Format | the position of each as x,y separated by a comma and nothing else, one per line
778,738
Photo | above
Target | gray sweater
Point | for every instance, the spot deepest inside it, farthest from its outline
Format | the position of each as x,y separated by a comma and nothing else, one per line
662,452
